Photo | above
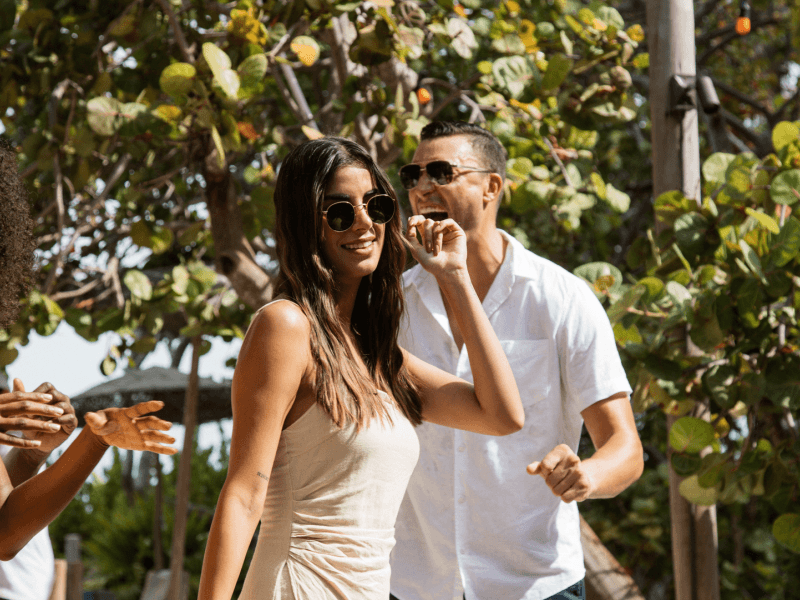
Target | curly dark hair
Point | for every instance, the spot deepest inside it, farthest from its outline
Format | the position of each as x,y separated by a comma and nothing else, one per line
16,237
307,278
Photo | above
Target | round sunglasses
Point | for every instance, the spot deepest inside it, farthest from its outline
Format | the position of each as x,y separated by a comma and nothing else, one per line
439,171
341,215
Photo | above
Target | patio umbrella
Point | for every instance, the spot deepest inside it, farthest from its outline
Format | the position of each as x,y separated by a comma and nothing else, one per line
157,383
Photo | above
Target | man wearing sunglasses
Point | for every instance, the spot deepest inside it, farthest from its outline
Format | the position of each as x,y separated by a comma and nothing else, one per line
474,523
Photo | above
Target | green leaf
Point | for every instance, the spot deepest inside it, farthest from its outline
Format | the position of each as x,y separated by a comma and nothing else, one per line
748,302
511,73
786,244
108,366
654,287
785,188
786,530
718,382
161,240
695,493
680,296
558,68
690,232
216,58
253,69
597,273
617,199
177,79
765,220
662,368
716,166
139,284
686,464
752,260
690,434
784,134
620,308
103,115
218,145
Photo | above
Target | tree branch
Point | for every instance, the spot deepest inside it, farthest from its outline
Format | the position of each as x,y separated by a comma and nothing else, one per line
180,39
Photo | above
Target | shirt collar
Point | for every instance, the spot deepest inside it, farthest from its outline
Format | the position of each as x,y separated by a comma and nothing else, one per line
500,290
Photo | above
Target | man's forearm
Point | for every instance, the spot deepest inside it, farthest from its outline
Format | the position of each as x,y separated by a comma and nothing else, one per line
615,466
22,464
33,505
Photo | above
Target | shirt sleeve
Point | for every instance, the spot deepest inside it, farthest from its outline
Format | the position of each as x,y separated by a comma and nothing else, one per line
590,366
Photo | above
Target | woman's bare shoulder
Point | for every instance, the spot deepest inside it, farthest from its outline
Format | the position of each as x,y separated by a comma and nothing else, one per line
281,316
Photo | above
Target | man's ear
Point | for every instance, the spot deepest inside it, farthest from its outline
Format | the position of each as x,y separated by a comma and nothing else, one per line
494,189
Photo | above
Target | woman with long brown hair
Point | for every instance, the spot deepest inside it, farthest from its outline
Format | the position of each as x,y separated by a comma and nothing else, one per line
324,399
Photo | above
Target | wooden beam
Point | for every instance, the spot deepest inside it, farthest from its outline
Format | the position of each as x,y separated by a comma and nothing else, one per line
606,579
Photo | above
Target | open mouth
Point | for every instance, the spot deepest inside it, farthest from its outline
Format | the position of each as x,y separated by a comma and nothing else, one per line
433,213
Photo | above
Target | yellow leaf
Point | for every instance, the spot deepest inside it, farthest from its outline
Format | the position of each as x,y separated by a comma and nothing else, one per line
306,48
512,6
312,133
459,10
636,33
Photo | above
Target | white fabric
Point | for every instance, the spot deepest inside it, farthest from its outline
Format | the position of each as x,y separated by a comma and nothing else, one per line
328,523
472,513
30,574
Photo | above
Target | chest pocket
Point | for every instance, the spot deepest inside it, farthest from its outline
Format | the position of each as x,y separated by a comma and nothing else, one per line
535,369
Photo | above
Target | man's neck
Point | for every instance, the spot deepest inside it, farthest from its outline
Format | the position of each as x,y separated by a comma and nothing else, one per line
485,254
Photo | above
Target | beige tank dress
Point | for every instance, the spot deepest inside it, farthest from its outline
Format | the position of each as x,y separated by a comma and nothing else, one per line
328,521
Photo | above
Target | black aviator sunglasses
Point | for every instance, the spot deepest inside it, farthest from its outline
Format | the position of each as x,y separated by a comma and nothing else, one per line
341,215
440,171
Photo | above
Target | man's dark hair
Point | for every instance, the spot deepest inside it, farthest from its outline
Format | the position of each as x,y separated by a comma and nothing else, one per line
484,142
16,237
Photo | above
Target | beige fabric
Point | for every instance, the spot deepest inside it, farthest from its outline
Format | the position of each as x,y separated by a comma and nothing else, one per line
328,521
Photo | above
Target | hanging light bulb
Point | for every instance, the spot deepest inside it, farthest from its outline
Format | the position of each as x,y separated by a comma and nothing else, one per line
743,22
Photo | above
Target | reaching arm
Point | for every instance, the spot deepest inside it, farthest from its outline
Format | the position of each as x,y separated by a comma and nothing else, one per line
29,507
616,463
269,371
492,405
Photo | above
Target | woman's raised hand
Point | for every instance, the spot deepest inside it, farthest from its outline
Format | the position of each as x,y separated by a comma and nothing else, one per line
126,428
441,247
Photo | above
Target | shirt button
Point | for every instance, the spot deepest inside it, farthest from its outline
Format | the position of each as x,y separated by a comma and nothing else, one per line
462,447
461,500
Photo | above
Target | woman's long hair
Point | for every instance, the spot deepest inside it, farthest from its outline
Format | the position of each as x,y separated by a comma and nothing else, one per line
308,279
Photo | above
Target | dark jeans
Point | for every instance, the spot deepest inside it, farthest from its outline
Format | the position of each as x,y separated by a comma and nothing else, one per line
573,592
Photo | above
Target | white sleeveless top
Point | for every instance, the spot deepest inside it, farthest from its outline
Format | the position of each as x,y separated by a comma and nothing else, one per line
328,523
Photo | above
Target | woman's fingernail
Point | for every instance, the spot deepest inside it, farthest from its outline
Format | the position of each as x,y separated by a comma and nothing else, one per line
53,426
58,411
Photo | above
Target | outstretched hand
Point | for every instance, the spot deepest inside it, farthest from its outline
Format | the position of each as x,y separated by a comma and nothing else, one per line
442,247
126,428
28,412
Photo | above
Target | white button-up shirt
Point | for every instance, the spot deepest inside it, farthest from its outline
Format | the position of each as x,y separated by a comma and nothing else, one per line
473,520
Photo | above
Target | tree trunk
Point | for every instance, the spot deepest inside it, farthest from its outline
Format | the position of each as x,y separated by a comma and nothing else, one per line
676,166
184,477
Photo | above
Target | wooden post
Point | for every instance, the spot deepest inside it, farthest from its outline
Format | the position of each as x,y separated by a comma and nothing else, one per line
72,549
184,477
59,591
606,579
158,511
676,166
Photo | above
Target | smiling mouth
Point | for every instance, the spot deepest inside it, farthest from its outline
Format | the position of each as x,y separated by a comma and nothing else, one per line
433,213
359,245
